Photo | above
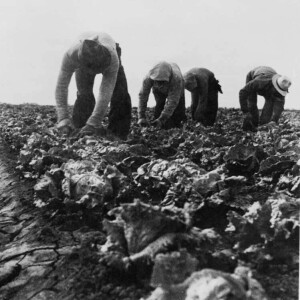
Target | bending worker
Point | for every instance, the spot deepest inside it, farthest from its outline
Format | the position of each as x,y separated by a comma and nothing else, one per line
166,81
263,81
92,54
204,88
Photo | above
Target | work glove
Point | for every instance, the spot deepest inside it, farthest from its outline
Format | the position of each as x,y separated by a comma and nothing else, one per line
247,123
143,122
91,130
65,127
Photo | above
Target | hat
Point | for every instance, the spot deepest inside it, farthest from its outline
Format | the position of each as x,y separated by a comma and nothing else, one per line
161,72
281,84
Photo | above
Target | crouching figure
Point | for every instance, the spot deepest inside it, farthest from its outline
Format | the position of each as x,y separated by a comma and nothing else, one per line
92,54
263,81
166,81
204,88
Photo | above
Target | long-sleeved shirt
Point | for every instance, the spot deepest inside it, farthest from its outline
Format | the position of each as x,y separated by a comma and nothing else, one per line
71,62
163,71
203,80
259,82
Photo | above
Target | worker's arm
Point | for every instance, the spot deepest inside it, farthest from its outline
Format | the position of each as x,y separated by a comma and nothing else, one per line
175,92
252,87
202,101
278,108
61,92
144,96
106,90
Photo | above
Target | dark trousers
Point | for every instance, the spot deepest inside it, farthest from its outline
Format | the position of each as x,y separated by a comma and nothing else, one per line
210,114
119,117
178,115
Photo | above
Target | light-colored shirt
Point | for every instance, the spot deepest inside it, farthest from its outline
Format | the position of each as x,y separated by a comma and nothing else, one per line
167,72
69,65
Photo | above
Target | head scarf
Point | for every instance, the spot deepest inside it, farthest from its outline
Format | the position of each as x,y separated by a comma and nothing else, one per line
161,72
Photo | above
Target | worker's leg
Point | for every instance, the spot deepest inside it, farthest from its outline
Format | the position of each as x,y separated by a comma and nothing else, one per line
119,117
212,108
278,107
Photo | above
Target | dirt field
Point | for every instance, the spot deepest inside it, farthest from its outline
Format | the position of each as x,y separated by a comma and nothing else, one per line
239,191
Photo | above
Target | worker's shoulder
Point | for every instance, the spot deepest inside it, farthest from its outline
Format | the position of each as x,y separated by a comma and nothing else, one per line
168,65
175,68
100,37
95,35
263,70
201,72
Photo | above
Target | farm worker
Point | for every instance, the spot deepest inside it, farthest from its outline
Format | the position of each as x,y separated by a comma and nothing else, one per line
92,54
204,88
263,81
166,81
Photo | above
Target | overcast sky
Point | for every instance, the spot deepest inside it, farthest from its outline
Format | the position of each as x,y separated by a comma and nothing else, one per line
229,37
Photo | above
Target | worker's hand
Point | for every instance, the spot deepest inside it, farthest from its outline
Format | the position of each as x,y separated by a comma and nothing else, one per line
157,123
65,127
272,124
143,122
269,126
91,130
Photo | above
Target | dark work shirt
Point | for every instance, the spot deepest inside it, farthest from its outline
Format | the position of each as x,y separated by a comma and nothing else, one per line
259,82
